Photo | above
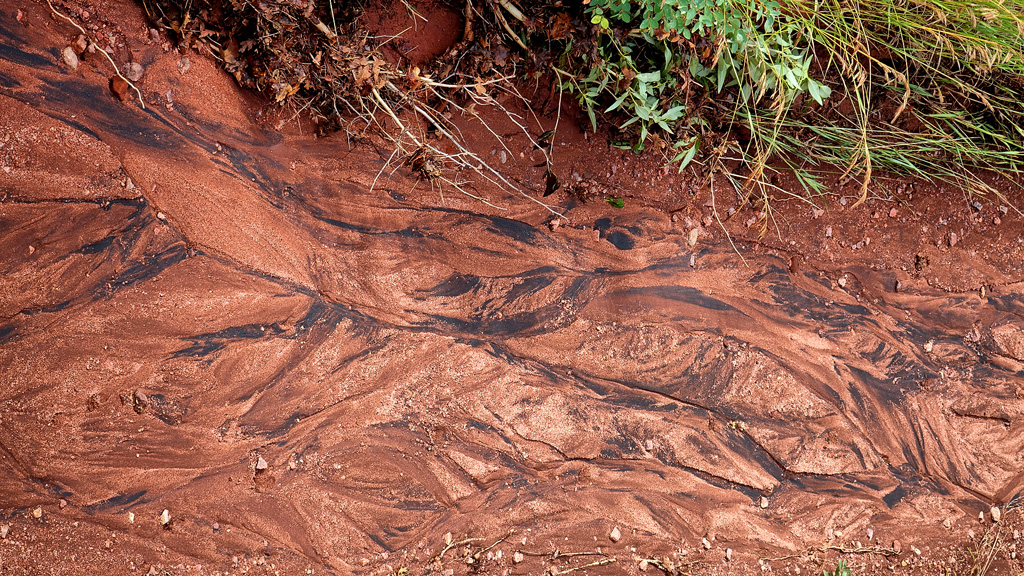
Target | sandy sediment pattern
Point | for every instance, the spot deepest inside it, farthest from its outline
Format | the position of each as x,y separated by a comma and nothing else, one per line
408,367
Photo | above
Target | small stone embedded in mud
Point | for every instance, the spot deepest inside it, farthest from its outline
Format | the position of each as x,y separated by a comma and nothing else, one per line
871,534
139,401
4,529
996,513
691,237
728,554
216,526
764,502
947,524
828,232
62,504
953,239
896,546
135,72
981,516
929,346
165,518
693,261
119,86
817,213
705,543
842,281
38,512
131,517
261,464
161,216
81,44
518,557
69,57
893,212
615,534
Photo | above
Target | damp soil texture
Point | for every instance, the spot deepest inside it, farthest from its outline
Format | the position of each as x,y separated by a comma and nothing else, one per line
315,365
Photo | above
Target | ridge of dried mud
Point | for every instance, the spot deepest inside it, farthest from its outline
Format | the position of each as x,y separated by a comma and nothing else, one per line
409,363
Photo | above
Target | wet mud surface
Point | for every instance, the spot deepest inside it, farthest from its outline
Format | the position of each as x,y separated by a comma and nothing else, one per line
310,374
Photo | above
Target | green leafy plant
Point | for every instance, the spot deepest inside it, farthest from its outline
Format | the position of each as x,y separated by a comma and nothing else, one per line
930,88
841,570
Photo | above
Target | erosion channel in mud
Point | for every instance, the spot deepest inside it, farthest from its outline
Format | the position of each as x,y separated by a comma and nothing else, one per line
311,370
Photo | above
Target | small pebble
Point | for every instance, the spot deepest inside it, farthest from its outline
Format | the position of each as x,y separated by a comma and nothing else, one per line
161,216
828,232
165,518
953,239
518,557
503,156
62,504
817,213
691,238
764,502
693,261
81,44
929,346
615,535
996,513
69,57
4,529
38,512
896,546
842,281
120,88
261,464
131,517
947,524
893,213
996,221
728,554
981,516
1016,534
135,72
871,534
643,565
704,542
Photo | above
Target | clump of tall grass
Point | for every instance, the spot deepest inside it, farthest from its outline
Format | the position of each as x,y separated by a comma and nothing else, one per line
932,88
927,88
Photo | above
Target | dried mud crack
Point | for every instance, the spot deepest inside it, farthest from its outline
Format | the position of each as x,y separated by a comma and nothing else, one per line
312,374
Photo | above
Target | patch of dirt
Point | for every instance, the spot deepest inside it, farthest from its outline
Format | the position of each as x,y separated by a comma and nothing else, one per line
318,363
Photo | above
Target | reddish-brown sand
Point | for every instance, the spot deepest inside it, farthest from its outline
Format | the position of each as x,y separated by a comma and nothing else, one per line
186,292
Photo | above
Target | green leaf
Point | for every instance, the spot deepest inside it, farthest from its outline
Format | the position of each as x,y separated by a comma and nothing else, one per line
615,202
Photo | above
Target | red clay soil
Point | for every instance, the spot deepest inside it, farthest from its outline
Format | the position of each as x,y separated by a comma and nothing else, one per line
316,370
